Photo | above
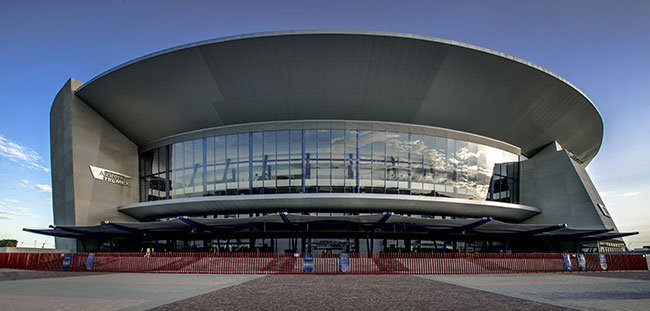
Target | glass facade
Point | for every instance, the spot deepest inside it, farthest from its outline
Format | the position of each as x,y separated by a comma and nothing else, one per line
324,160
504,186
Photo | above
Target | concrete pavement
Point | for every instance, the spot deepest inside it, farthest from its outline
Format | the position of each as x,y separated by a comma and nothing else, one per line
583,291
114,291
40,290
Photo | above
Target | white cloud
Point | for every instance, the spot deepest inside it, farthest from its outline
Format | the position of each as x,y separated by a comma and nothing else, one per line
43,187
24,183
21,154
9,211
613,194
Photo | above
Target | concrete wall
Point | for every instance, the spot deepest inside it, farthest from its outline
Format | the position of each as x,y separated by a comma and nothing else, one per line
80,137
561,188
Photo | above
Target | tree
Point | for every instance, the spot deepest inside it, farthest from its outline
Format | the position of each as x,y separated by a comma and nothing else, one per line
8,243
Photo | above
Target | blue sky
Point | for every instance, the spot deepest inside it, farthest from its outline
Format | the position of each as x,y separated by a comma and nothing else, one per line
603,47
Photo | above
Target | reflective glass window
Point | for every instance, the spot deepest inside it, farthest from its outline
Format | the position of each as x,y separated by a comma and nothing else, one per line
210,174
351,162
365,140
257,160
404,160
378,162
323,160
220,169
282,161
310,168
324,163
295,167
232,148
269,163
338,160
418,148
462,168
243,155
392,162
196,180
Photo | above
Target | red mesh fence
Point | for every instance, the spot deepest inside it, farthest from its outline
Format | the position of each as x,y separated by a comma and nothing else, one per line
359,263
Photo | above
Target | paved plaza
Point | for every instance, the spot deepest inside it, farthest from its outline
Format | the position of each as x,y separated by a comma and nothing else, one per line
110,291
36,290
585,291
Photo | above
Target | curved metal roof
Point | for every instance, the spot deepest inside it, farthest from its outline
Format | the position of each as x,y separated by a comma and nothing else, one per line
345,75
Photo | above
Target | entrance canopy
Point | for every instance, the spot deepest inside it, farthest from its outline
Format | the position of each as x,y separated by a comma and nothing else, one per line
280,225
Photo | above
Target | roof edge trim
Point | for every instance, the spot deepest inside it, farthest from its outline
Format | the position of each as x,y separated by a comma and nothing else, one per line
340,32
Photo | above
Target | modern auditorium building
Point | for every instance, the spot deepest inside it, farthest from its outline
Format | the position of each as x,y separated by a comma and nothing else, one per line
337,141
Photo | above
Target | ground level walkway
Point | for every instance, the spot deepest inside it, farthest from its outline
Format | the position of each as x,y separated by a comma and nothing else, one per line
34,290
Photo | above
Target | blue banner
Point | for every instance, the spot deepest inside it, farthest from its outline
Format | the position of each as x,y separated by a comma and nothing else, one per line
89,261
344,262
308,263
67,260
603,261
567,262
582,263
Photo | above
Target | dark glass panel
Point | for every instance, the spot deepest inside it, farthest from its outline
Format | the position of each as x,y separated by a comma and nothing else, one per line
324,163
232,165
310,165
351,165
243,175
296,161
378,162
338,159
404,166
269,164
282,161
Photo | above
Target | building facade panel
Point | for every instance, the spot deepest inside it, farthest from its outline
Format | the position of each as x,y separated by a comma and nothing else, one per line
82,138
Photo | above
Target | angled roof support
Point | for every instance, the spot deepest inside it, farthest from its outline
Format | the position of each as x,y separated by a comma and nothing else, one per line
610,236
381,221
195,224
384,219
581,234
547,229
120,227
470,225
71,230
49,232
284,217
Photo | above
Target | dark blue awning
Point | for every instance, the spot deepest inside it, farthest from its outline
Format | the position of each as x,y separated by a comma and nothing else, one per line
386,223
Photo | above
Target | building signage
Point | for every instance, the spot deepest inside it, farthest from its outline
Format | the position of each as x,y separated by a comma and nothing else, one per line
89,261
109,176
308,263
344,262
329,245
67,260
